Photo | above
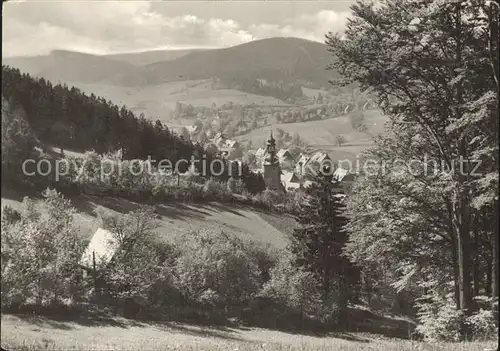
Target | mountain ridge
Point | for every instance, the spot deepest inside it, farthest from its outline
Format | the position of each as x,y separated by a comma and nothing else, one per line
279,59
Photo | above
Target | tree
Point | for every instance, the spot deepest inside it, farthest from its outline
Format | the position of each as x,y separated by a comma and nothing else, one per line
296,139
44,249
320,240
202,137
433,71
357,119
319,99
17,139
340,140
184,133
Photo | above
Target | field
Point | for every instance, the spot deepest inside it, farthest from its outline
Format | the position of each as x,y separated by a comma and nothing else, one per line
155,101
321,135
178,218
39,333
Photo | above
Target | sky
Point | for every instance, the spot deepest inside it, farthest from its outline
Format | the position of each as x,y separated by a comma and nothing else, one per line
36,27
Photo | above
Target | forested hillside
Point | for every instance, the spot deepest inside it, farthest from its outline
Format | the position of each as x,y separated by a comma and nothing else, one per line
68,118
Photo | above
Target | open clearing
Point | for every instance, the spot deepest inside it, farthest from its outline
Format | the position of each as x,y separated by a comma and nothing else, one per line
177,218
39,333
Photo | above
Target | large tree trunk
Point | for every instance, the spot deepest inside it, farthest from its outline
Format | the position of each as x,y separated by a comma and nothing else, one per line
463,256
495,265
454,258
475,265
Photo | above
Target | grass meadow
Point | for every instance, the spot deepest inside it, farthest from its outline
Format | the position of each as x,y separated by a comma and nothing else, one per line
38,333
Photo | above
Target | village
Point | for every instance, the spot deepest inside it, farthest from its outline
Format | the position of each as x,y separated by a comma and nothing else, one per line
294,173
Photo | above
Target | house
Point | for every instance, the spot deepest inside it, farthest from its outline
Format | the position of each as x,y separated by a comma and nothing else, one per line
345,177
260,153
218,136
286,159
231,148
290,180
320,157
100,251
232,144
193,129
301,164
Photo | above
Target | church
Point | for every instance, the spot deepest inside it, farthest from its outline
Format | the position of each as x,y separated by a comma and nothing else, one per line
271,167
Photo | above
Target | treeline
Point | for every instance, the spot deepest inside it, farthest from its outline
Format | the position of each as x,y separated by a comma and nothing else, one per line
70,119
279,90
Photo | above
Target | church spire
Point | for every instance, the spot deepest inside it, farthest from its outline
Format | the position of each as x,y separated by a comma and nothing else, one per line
271,149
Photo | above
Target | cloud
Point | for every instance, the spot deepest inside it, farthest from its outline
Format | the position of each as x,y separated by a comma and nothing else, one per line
104,27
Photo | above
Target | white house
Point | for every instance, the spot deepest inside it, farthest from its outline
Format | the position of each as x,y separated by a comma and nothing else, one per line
100,250
286,159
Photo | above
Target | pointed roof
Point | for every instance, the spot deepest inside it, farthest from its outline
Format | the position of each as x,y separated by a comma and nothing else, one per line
103,246
340,174
303,158
319,157
271,141
283,152
261,152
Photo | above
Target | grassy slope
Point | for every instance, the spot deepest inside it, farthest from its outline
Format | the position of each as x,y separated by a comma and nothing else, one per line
321,135
178,218
38,333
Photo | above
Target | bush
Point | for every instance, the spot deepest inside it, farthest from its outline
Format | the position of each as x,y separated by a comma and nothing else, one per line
215,190
214,270
439,318
483,323
293,289
42,251
139,278
10,215
271,197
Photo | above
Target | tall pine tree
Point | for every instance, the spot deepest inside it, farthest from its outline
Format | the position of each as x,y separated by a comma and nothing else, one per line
320,240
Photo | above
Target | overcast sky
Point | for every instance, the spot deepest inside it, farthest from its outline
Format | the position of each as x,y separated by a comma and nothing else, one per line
36,27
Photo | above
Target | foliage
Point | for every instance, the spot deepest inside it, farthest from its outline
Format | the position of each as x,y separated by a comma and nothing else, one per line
18,139
139,270
320,240
439,318
293,288
483,325
424,219
214,269
43,252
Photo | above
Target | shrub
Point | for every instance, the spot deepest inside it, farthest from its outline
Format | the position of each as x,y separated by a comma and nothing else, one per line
10,215
215,190
42,254
215,270
140,272
271,197
439,318
483,323
231,185
292,289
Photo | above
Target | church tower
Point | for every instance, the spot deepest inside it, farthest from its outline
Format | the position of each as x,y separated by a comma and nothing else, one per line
272,171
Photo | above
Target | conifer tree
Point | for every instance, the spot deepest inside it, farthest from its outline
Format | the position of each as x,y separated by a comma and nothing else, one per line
320,240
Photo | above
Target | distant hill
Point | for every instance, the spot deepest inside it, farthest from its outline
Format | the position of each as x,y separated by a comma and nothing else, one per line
149,57
69,66
274,59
